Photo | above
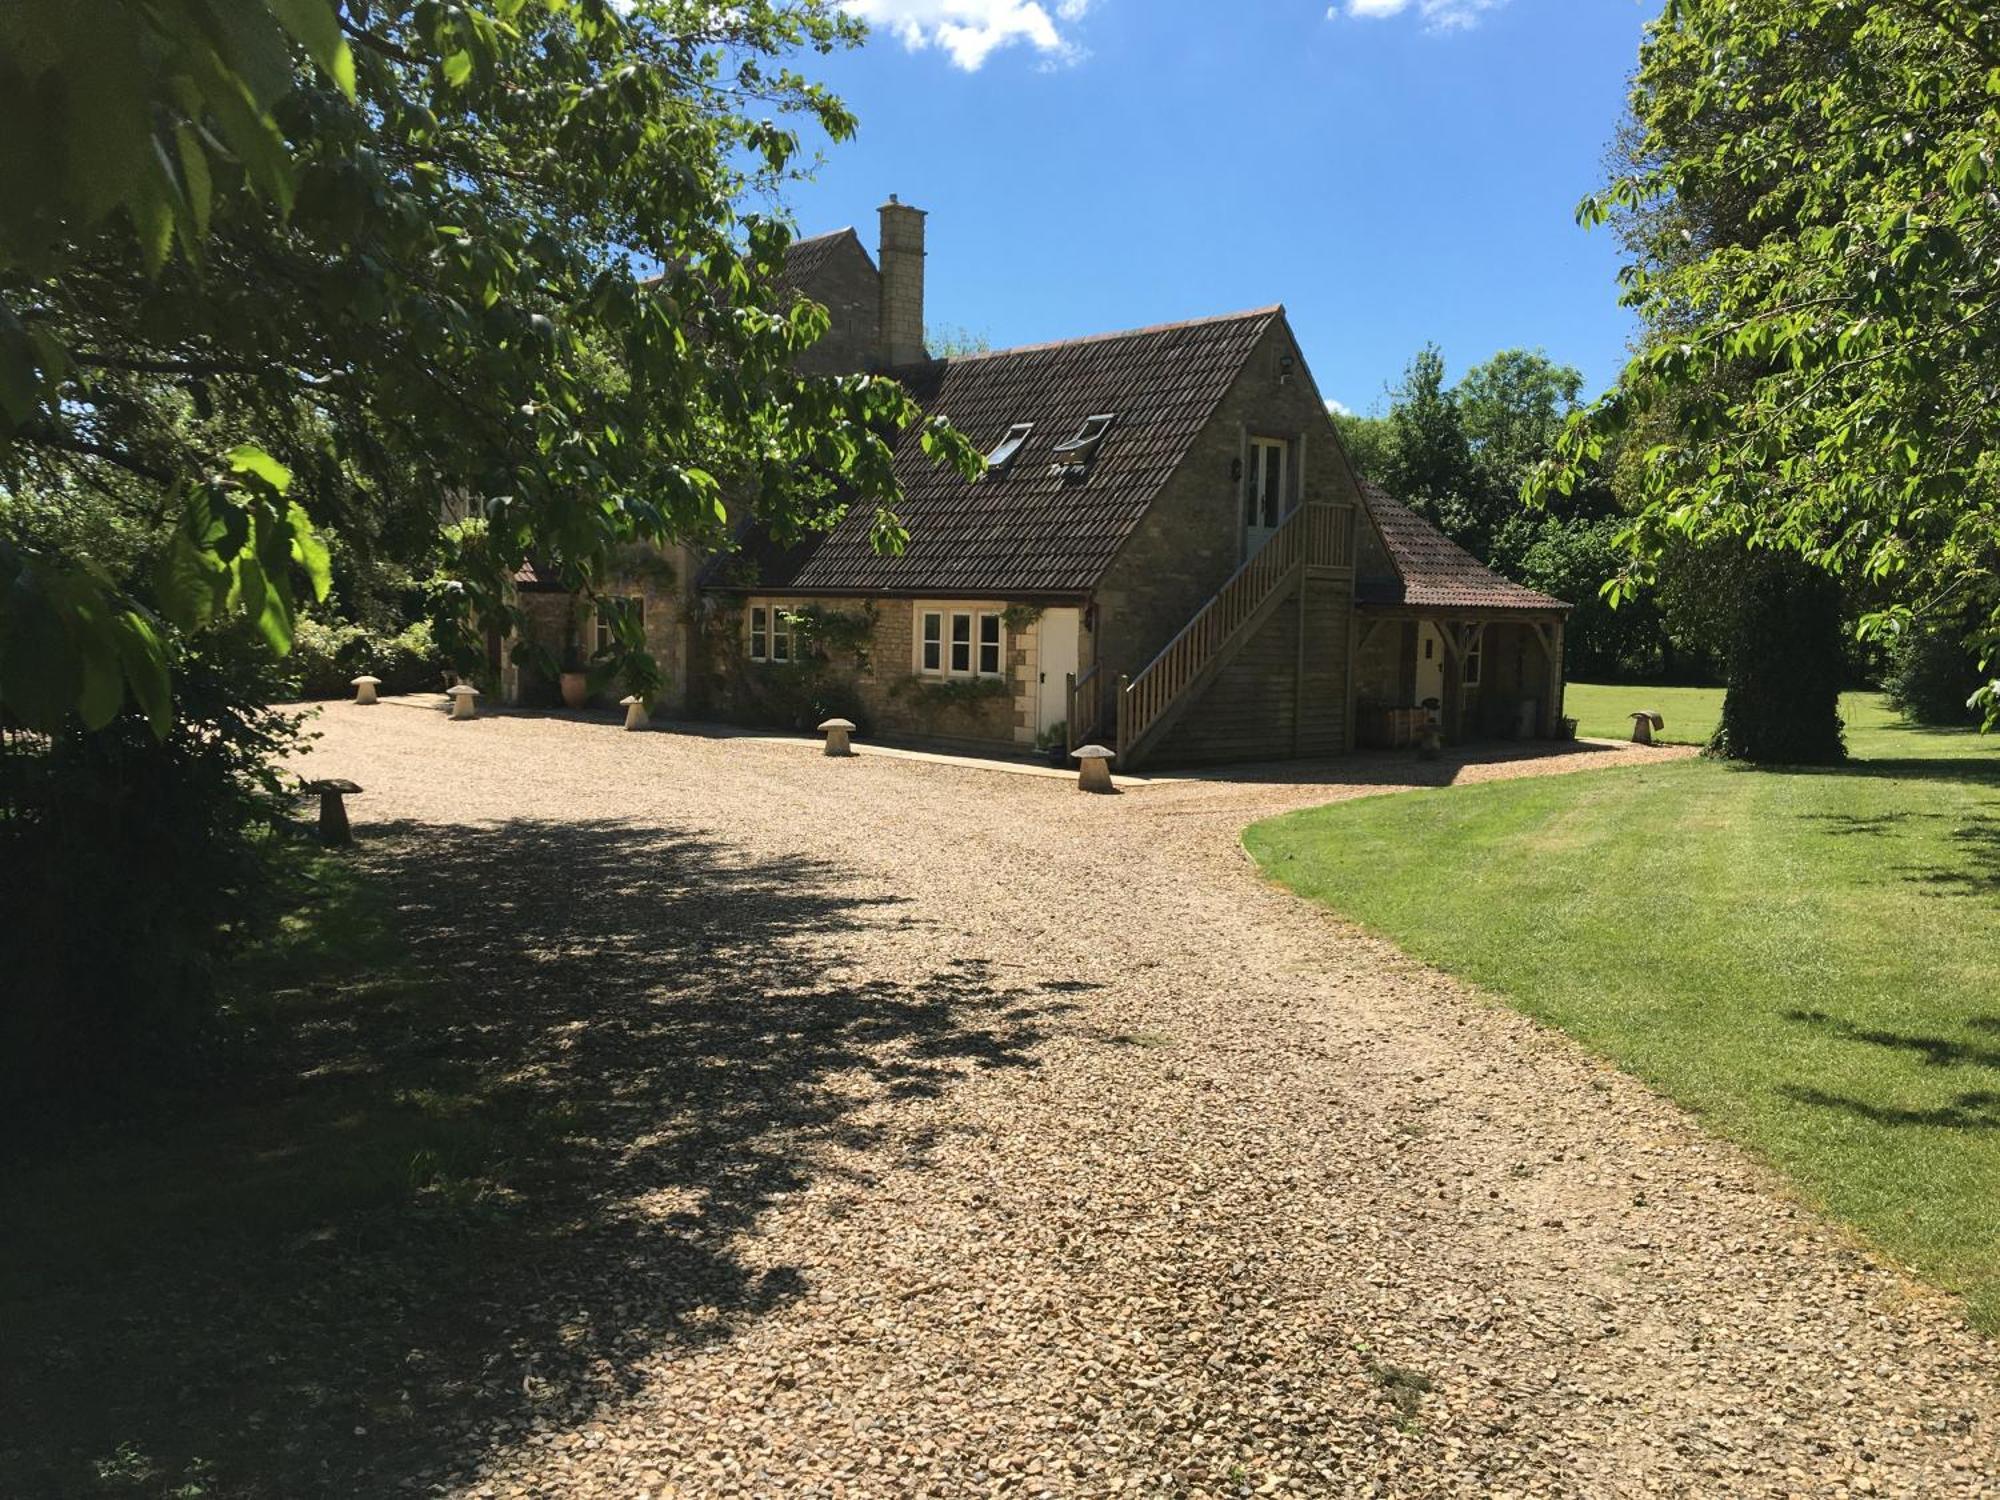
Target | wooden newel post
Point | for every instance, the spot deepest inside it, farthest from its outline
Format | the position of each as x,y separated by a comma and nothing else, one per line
1124,711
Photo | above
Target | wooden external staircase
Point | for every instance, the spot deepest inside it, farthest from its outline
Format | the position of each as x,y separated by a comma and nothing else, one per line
1313,538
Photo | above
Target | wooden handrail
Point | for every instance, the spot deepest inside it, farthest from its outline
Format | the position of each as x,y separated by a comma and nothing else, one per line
1316,535
1080,728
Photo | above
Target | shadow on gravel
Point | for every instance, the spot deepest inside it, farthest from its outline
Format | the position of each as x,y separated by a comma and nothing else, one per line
511,1148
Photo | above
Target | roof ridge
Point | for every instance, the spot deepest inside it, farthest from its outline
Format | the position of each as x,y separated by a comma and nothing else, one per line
1275,309
831,234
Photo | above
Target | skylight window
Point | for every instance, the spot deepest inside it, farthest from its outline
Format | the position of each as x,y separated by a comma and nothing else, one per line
1010,447
1079,449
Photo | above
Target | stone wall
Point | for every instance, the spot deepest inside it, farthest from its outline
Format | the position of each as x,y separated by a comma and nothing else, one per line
850,289
882,690
1191,539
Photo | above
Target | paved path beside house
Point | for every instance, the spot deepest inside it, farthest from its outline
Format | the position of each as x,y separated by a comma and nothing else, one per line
947,1132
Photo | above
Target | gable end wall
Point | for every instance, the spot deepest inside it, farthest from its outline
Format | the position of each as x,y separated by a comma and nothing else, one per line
1190,540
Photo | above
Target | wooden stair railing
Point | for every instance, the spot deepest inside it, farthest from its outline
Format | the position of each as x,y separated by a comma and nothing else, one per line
1315,535
1085,706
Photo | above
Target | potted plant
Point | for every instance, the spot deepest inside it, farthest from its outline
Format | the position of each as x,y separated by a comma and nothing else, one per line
1054,743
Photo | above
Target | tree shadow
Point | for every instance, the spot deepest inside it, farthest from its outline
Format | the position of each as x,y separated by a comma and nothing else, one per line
484,1175
1974,866
1970,1109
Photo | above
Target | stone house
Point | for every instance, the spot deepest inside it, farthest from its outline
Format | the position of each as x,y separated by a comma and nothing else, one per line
1168,552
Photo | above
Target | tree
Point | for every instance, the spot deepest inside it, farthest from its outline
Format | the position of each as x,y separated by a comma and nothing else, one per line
281,266
1430,458
1512,409
1817,260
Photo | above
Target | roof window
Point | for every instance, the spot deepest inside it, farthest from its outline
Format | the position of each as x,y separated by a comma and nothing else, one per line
1079,449
1010,447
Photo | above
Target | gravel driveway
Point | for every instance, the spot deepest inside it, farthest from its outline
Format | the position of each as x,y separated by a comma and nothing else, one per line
942,1131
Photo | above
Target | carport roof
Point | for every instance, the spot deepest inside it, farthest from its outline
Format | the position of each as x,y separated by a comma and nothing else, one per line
1435,572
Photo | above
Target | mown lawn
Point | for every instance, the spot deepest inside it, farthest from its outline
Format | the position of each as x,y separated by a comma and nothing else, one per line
1808,959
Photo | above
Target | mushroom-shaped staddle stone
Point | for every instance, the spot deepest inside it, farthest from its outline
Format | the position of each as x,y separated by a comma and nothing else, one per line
332,795
364,689
1644,722
838,734
1094,768
464,701
635,712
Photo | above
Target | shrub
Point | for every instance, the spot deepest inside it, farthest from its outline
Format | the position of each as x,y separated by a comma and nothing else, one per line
327,655
1787,653
138,866
1932,675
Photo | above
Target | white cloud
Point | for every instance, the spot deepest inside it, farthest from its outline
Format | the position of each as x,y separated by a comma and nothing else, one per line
1437,15
1337,408
970,31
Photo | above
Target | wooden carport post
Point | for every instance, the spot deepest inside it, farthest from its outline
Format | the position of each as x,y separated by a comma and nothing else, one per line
1549,637
1457,646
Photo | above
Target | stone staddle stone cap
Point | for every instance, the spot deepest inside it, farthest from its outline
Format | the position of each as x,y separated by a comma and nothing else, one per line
1094,752
837,724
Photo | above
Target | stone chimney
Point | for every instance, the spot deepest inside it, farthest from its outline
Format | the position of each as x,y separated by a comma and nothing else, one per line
901,329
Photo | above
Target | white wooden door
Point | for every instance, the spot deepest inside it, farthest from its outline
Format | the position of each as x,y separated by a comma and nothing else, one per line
1430,664
1263,493
1056,636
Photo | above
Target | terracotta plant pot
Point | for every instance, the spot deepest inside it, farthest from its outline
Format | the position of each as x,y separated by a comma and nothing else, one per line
575,689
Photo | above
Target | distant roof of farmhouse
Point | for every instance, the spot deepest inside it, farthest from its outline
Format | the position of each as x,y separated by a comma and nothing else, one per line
805,258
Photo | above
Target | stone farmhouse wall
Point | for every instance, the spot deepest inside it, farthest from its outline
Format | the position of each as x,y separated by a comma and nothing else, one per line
881,688
1191,539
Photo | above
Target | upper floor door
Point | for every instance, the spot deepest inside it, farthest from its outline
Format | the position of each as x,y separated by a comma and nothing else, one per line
1264,491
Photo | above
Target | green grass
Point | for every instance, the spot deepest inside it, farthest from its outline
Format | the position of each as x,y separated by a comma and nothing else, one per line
1807,959
1603,711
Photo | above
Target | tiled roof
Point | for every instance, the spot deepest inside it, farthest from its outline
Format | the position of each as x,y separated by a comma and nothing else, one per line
804,258
1030,530
1436,571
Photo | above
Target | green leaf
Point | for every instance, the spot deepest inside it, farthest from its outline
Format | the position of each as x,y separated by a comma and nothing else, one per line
309,551
312,23
196,183
457,68
248,458
144,657
191,582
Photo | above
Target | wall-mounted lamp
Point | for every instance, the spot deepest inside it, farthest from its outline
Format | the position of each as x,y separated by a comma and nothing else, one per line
1285,370
1235,469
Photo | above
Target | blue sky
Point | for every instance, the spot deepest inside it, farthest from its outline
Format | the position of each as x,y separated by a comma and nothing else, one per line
1391,170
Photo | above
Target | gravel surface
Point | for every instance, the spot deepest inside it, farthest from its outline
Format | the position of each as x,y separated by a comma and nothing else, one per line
943,1131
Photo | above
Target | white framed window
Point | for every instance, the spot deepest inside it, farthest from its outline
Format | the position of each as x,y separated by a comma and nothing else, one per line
770,634
1264,483
1009,447
956,641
